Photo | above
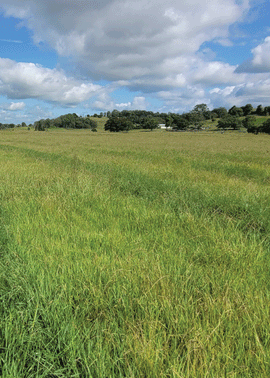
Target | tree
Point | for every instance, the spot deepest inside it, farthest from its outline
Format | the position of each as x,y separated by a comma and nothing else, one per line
180,123
207,114
229,122
39,126
115,113
199,113
116,124
259,111
237,112
200,108
90,124
168,121
249,123
42,124
221,112
150,123
67,121
247,109
255,129
214,115
265,128
197,126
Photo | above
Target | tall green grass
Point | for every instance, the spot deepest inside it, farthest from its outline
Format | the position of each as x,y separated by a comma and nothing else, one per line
134,255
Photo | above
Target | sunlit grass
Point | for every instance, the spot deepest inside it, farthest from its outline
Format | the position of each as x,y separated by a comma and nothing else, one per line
134,255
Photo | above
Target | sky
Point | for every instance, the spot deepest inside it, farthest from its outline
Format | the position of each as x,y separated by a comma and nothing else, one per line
92,56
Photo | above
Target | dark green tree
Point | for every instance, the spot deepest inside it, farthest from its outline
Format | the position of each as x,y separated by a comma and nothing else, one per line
168,121
229,122
265,128
213,116
247,109
42,124
150,123
259,111
200,108
199,113
235,111
116,124
115,113
249,122
221,112
180,122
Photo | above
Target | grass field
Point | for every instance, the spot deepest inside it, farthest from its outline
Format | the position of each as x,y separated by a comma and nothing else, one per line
141,254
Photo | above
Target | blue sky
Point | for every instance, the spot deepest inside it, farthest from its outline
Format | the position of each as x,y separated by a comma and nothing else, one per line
84,56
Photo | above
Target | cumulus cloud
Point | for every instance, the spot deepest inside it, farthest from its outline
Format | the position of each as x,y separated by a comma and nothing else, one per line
261,56
259,91
13,106
127,39
183,99
255,92
150,46
194,71
106,103
138,103
29,80
255,89
27,114
261,59
215,73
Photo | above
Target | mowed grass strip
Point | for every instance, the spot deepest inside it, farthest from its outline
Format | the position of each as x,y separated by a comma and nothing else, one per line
147,260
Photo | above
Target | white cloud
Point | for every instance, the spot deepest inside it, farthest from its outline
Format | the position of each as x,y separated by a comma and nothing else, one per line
223,92
255,90
225,42
252,91
13,106
28,113
124,39
139,103
16,106
10,40
183,100
261,56
106,103
28,80
260,62
215,73
123,105
149,46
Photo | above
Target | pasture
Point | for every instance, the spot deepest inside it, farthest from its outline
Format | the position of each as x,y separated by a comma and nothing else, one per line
141,254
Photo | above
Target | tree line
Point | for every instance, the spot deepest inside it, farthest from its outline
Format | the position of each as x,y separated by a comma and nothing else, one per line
227,119
125,120
11,125
68,121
